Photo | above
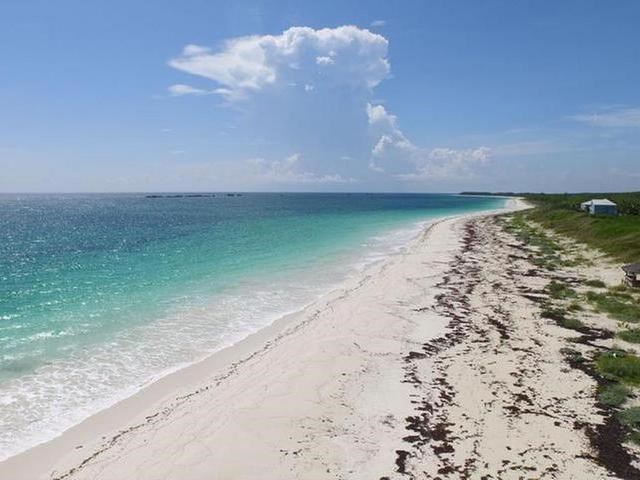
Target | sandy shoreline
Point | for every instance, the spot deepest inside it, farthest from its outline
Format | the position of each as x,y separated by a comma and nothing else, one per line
319,394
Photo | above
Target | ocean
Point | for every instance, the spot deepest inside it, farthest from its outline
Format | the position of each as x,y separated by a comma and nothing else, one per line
102,294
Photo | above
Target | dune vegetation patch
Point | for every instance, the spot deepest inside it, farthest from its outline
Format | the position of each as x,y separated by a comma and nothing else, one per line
620,306
631,335
619,365
614,394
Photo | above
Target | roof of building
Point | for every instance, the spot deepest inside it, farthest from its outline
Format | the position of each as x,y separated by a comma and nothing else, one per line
632,268
602,201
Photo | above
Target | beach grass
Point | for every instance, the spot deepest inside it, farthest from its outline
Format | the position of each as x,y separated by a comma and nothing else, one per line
630,417
549,254
618,236
572,355
614,394
559,315
575,307
621,289
618,305
553,313
619,365
559,290
631,335
572,323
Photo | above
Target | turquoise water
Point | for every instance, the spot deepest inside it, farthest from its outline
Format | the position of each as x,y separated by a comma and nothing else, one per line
100,294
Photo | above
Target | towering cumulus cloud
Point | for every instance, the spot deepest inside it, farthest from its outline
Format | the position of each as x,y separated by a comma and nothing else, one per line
312,91
344,56
392,148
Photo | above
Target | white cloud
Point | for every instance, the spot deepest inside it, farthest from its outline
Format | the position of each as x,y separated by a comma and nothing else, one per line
289,171
619,117
385,126
341,66
179,90
324,61
446,163
195,50
378,114
250,64
378,23
374,167
393,149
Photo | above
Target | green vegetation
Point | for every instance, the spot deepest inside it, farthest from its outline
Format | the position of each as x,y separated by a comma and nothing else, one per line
632,335
549,253
620,366
553,313
559,315
624,293
572,355
575,307
559,290
614,394
628,203
618,236
619,289
631,418
621,306
571,323
595,283
634,436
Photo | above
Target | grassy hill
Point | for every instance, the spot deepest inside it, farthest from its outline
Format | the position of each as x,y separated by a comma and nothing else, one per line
618,236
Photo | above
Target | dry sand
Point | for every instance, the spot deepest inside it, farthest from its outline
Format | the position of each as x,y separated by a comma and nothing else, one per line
434,365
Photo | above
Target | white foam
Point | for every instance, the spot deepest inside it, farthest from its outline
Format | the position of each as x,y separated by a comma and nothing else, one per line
39,406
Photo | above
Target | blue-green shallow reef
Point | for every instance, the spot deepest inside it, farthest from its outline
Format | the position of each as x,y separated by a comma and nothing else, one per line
101,293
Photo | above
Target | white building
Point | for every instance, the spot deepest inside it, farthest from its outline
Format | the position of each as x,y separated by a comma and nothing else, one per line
600,206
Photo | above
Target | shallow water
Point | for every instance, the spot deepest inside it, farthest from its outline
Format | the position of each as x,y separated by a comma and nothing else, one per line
101,294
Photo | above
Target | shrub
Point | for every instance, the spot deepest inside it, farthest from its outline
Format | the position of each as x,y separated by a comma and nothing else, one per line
614,394
635,437
615,306
618,236
573,355
620,288
630,417
632,335
559,290
571,323
575,307
595,283
557,314
619,365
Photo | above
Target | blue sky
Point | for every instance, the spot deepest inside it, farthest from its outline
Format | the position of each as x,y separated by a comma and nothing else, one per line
319,96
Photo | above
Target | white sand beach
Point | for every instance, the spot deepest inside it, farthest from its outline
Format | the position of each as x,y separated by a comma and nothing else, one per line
320,240
396,375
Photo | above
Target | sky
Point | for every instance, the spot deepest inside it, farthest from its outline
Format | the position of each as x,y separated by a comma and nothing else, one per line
406,96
